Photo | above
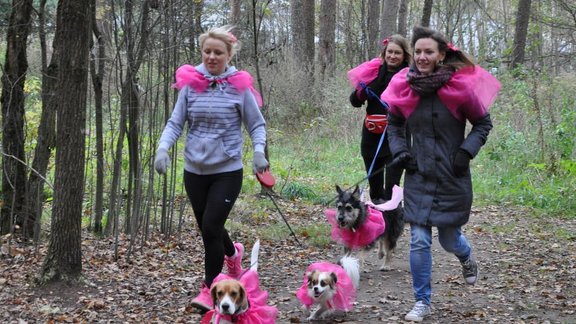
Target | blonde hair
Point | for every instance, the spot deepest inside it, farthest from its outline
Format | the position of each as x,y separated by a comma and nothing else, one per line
224,34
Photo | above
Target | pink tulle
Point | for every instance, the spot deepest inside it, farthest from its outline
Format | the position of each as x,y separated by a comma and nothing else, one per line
259,312
345,292
187,75
365,72
467,95
369,231
397,196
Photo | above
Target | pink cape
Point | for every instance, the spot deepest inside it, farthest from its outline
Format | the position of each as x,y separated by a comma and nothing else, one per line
467,95
367,233
187,75
345,295
364,73
258,313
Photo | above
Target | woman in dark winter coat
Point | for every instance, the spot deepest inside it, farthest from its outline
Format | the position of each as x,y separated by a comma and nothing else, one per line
434,98
375,76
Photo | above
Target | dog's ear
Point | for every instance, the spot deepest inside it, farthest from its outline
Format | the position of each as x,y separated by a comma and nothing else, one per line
339,190
310,277
214,294
334,278
243,299
356,193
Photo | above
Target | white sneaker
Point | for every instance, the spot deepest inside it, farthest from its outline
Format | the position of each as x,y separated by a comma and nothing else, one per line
418,313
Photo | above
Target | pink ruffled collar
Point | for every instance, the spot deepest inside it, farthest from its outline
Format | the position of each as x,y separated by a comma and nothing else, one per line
467,95
258,312
188,75
371,229
345,295
364,73
364,235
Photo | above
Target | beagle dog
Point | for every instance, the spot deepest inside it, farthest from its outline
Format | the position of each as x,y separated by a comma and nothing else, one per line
229,297
240,300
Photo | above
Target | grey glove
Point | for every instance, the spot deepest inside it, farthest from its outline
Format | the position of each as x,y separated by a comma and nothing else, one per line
259,163
162,161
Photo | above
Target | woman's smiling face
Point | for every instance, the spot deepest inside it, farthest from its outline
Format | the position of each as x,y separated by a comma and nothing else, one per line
394,55
426,55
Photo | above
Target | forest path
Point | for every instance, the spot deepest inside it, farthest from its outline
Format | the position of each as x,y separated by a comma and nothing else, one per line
527,275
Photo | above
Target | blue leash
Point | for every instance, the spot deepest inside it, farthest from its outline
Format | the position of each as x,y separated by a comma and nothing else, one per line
370,94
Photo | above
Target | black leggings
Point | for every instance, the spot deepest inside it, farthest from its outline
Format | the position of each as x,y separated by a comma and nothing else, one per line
381,183
212,197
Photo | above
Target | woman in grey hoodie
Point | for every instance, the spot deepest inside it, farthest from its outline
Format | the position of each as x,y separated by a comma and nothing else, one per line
215,100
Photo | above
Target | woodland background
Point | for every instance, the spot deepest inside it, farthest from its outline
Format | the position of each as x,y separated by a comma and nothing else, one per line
86,91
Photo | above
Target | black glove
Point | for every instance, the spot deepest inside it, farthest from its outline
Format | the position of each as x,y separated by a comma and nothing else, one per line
404,160
357,98
461,163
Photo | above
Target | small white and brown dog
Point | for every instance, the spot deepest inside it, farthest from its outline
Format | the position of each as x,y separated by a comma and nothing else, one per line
330,286
240,300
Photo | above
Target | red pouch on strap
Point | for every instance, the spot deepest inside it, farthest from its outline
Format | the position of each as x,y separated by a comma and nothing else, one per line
376,123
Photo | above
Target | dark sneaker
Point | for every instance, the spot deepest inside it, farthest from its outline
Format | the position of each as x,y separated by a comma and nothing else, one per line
470,271
418,313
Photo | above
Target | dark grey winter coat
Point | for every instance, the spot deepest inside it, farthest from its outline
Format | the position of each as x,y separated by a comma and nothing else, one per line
433,195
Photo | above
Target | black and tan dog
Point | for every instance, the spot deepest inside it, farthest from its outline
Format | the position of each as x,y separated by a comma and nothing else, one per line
351,213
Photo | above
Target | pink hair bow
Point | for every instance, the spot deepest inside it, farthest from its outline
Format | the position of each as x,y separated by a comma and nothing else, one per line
233,38
452,47
385,41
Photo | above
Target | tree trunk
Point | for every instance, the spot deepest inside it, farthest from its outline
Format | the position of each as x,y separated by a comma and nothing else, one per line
350,43
12,101
302,21
520,33
389,18
46,130
403,17
97,73
426,13
235,6
326,46
197,26
64,257
373,28
302,18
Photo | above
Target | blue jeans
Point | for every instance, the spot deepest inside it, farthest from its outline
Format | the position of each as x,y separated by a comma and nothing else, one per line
451,239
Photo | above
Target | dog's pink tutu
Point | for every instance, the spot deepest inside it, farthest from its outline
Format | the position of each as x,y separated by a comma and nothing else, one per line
345,295
365,72
258,313
364,235
187,75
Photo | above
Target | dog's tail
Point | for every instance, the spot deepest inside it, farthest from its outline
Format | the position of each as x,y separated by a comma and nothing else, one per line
254,256
352,267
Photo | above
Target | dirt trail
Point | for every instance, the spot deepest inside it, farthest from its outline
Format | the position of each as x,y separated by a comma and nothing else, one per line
527,275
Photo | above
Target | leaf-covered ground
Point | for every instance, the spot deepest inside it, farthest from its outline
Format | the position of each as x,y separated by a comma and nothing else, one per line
527,275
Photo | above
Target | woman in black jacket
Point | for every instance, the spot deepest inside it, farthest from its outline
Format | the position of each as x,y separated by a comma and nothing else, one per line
435,97
369,80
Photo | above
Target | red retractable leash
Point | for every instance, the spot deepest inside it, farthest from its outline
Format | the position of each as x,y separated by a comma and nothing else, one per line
267,180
